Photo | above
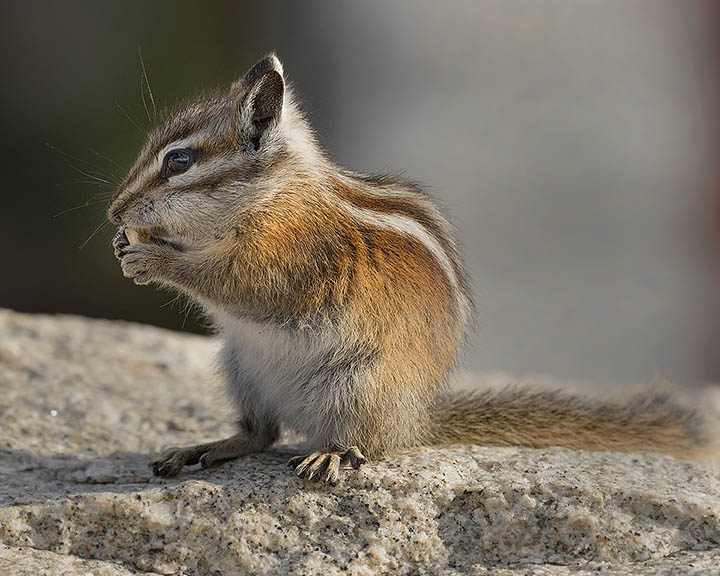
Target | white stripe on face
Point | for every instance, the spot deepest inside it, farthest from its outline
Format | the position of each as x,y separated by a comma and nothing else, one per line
409,227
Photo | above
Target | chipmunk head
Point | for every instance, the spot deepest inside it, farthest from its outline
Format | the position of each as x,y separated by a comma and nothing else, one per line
211,158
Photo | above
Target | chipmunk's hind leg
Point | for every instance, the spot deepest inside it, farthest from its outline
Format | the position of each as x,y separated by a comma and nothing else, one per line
325,466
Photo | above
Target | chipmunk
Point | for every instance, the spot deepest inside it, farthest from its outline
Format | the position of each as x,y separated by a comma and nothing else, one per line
341,298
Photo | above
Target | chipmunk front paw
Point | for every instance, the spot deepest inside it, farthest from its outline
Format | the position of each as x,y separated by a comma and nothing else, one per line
208,455
132,265
172,460
120,242
140,263
325,466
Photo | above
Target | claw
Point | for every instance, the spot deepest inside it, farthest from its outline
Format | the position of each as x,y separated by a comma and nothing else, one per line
355,457
300,470
295,460
326,465
318,466
333,469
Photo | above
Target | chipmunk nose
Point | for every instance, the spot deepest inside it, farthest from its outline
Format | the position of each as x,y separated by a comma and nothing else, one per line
114,213
116,209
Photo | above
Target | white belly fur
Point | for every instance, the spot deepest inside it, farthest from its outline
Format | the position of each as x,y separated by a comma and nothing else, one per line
278,364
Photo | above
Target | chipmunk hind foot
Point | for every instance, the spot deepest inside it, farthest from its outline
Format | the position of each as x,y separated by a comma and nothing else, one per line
325,465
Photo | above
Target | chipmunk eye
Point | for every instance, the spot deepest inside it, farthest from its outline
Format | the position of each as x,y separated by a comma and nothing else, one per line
178,161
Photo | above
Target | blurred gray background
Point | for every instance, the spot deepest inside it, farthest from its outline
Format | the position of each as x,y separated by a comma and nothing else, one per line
575,145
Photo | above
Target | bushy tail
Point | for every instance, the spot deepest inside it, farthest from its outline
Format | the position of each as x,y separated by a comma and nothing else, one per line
516,417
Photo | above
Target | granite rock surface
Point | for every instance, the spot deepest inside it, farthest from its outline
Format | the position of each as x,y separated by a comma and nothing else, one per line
86,404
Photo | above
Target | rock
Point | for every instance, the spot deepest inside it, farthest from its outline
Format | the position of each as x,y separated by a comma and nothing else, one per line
87,403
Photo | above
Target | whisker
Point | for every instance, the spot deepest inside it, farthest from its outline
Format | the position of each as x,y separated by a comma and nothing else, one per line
88,174
132,121
142,96
102,196
98,169
102,225
85,205
113,162
110,241
171,302
187,313
88,182
147,82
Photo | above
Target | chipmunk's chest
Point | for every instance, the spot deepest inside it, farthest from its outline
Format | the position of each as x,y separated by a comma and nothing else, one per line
288,371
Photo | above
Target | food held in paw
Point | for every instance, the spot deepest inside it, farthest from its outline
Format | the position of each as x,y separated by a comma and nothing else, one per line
137,235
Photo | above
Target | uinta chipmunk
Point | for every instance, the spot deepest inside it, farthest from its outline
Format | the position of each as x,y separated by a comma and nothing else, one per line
341,299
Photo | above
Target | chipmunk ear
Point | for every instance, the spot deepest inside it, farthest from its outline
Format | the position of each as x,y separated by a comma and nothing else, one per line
260,93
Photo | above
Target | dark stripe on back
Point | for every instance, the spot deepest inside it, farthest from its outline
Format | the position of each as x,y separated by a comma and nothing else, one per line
396,204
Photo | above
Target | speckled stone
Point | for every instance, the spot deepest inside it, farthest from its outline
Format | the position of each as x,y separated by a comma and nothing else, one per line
85,405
